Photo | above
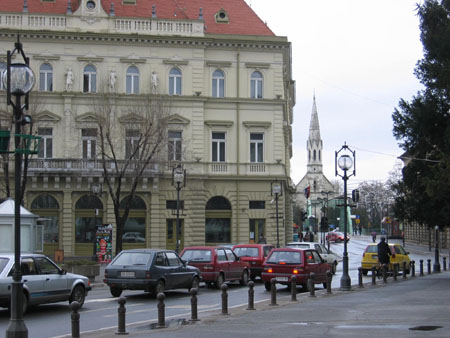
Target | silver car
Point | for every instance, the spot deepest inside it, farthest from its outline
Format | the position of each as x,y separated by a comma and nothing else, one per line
328,256
44,281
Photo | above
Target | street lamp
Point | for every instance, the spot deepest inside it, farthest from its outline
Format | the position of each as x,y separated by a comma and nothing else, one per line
179,181
436,265
345,163
18,79
277,191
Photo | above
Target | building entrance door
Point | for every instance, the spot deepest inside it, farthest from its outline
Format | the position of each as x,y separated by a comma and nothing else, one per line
257,228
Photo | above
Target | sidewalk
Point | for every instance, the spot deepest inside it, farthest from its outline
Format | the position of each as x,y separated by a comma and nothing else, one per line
406,308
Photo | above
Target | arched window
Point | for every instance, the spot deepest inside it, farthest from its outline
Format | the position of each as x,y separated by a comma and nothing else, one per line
218,203
132,84
319,156
175,82
218,220
256,85
134,229
218,84
2,68
88,214
46,78
89,79
314,155
47,207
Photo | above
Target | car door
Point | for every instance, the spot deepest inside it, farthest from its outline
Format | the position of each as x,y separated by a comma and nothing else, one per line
56,284
222,263
180,276
324,253
234,265
33,282
320,267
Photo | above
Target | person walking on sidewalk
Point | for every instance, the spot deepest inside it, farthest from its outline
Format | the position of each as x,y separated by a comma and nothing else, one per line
374,236
384,253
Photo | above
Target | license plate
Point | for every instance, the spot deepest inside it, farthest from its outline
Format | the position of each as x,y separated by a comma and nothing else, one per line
282,279
127,274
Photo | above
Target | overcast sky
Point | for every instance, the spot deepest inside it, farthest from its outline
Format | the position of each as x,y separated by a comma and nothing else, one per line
358,56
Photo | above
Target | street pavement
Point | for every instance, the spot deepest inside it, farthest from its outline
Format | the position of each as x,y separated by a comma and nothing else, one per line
415,307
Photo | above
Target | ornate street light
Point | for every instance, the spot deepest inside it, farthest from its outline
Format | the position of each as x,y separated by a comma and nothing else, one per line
18,79
277,191
179,181
345,163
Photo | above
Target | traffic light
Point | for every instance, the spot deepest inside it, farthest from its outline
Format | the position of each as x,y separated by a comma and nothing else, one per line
304,216
355,195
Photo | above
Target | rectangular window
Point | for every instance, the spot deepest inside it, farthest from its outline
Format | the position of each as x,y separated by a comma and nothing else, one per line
131,143
46,144
218,230
218,147
89,139
174,150
257,204
256,147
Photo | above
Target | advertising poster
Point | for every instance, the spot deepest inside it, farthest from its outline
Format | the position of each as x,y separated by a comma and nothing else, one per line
103,244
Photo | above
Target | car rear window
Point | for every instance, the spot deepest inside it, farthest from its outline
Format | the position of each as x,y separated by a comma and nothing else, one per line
301,246
3,262
197,256
132,258
372,249
246,252
288,257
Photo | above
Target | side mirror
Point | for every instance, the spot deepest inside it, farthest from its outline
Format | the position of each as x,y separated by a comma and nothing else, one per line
62,272
407,252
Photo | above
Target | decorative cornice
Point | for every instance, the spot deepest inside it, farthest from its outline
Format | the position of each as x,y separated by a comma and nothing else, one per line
218,63
257,124
90,58
257,65
178,119
219,123
175,62
47,116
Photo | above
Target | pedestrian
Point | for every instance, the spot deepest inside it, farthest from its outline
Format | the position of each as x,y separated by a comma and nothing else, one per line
360,230
311,236
307,235
374,236
300,236
384,252
262,239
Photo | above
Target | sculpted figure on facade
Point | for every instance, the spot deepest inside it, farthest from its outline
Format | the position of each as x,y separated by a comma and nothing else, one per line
69,80
154,82
112,81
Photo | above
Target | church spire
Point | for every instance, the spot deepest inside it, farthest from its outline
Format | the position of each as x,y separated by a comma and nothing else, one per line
314,143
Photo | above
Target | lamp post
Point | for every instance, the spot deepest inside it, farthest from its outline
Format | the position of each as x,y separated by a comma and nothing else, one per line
277,191
179,181
436,265
345,163
18,78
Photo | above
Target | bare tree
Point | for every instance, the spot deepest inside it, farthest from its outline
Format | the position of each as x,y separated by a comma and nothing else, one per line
144,135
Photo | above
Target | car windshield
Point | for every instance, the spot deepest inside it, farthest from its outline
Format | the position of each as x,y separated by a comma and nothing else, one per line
132,258
3,262
288,257
372,249
197,256
246,252
298,245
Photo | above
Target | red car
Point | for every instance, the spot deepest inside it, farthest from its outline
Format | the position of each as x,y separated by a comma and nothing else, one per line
217,264
336,237
254,254
283,263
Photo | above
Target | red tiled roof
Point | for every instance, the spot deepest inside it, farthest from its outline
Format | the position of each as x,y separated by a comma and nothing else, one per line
242,19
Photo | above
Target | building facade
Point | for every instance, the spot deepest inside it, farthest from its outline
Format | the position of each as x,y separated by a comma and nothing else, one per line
228,80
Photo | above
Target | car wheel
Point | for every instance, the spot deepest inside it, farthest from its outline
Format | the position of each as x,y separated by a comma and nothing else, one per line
24,303
364,272
244,279
334,268
220,280
115,291
324,285
195,284
268,286
160,286
78,295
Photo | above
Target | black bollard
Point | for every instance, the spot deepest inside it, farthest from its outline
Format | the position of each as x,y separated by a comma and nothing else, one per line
360,278
384,271
194,302
224,288
395,268
75,317
251,296
421,267
374,276
445,263
429,266
311,286
329,281
404,270
413,268
294,288
273,292
161,310
121,317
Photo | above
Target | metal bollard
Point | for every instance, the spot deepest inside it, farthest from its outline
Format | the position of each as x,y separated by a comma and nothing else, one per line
421,267
404,270
429,266
360,278
75,317
224,289
374,280
251,296
384,267
329,281
395,268
413,268
161,310
194,302
294,288
273,292
445,263
311,286
121,316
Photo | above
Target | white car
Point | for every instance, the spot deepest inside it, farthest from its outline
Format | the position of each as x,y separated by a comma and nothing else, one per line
329,256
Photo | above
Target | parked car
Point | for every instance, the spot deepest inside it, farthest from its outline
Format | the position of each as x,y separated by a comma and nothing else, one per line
44,281
152,270
133,237
398,255
336,236
283,263
254,254
329,256
217,264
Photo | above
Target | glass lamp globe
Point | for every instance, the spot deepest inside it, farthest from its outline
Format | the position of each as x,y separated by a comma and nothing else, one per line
345,162
178,175
22,79
276,188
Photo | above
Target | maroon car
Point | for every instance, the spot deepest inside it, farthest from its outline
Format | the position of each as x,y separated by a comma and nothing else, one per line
336,237
217,264
255,255
283,263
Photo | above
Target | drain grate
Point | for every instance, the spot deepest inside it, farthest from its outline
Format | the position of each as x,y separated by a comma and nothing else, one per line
425,328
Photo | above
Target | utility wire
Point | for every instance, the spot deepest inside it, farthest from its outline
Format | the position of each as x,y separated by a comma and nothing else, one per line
399,157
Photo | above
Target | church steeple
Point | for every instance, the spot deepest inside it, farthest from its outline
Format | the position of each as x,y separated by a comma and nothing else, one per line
314,144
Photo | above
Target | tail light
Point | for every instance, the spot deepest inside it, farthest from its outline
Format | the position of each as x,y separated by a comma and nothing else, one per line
269,270
147,275
282,263
295,272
